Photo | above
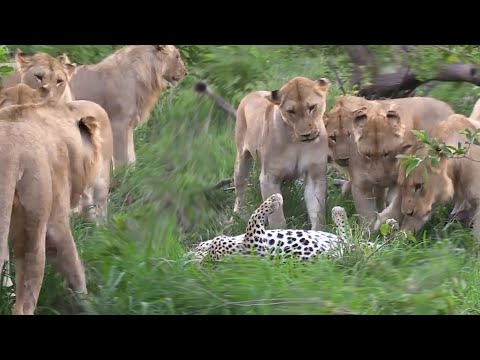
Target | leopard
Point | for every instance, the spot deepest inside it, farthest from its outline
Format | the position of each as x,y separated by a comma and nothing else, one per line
284,243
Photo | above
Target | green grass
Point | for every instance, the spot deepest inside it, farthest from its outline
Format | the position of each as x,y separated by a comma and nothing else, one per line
164,204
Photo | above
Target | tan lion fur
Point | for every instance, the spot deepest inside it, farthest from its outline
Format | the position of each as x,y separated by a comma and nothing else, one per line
379,131
283,132
48,158
127,84
427,186
94,202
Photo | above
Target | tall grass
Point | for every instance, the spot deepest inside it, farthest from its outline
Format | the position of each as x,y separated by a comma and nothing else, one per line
136,264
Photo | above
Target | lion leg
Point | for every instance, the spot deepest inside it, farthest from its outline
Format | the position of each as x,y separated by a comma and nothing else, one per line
243,165
476,228
270,185
28,233
131,146
392,211
100,193
380,197
365,204
120,142
315,195
30,265
62,253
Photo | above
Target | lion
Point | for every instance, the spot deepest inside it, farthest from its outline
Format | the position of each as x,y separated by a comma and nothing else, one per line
283,132
127,84
382,131
51,157
429,186
44,71
93,204
343,148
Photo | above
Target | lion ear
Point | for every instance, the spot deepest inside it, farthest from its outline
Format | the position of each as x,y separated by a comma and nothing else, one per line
360,118
393,118
324,83
64,59
71,68
22,60
274,97
161,48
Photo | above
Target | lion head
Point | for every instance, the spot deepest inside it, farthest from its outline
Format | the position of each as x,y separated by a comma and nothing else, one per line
380,137
302,105
173,68
44,71
339,123
22,94
423,189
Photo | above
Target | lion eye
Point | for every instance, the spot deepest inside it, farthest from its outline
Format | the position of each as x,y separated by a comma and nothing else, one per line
291,111
332,137
418,187
312,108
59,82
39,77
368,156
387,154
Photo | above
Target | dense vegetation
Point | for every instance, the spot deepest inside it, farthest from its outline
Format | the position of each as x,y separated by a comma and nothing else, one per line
166,202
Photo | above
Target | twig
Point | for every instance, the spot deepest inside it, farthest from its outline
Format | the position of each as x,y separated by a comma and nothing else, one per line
465,57
332,68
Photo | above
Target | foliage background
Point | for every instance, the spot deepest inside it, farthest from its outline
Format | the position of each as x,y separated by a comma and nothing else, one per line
158,209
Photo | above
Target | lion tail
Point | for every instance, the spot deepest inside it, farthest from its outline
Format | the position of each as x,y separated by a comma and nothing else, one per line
202,88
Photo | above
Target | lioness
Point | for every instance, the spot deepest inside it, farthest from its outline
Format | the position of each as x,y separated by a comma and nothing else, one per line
381,132
127,84
427,186
48,157
44,71
283,131
344,151
94,202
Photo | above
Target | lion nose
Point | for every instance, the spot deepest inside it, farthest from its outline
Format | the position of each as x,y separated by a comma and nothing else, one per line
307,134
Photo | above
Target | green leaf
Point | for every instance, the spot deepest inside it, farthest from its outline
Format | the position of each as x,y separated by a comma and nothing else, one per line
6,69
421,134
411,237
435,160
384,229
413,164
